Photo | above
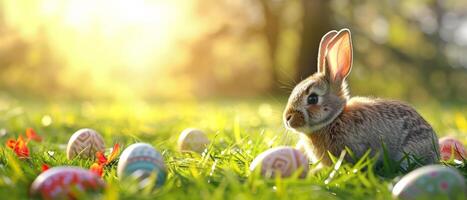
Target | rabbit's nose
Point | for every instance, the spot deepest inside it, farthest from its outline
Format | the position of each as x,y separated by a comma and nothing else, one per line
294,119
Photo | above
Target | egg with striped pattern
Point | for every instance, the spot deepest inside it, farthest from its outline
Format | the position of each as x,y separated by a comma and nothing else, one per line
283,160
66,182
142,160
84,143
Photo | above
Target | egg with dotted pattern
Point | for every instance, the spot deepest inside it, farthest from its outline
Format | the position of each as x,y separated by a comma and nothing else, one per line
65,182
431,182
192,139
142,158
285,160
85,143
450,147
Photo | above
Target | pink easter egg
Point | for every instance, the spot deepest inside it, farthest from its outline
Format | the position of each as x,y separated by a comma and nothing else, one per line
285,160
451,147
65,182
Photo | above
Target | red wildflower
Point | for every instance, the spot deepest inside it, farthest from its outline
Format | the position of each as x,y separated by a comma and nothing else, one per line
19,146
32,135
102,161
113,154
97,168
11,143
45,167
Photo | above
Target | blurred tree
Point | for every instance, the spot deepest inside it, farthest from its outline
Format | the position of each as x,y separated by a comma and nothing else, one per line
272,12
412,37
28,68
201,51
316,21
12,49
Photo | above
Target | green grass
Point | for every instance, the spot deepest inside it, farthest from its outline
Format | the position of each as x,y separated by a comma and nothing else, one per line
239,131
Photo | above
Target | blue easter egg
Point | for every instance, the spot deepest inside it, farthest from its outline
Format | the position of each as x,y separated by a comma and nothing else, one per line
144,160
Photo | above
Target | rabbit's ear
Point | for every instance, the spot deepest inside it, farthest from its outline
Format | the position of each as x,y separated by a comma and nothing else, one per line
322,49
339,56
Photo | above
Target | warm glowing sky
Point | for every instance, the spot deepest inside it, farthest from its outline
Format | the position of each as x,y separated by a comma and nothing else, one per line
103,37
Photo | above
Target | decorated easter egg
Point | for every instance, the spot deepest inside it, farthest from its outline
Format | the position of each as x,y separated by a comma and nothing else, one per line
142,159
431,182
84,143
450,147
192,139
283,160
65,182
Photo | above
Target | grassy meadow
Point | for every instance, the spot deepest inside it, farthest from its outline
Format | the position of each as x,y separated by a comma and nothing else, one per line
143,71
238,129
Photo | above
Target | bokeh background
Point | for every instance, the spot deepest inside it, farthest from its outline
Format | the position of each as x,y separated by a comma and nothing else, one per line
415,50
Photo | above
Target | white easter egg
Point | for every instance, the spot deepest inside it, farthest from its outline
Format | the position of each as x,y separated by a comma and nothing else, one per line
192,139
85,143
65,182
285,160
142,158
431,182
450,147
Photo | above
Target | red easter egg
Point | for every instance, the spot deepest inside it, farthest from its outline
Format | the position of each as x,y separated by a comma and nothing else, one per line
449,146
65,182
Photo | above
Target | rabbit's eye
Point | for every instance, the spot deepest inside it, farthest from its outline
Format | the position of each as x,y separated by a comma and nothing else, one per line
312,99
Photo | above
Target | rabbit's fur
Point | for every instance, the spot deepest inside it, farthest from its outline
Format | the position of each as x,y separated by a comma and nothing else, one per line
336,121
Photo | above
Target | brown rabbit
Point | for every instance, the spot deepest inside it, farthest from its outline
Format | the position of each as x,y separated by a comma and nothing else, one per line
321,110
